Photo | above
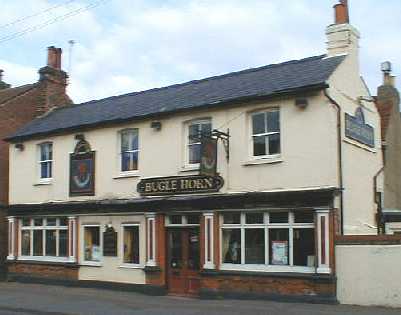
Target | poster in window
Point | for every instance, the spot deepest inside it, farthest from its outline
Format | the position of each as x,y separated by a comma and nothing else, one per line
208,164
279,253
82,170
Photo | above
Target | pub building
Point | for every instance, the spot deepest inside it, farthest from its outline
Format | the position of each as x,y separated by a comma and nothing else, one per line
230,186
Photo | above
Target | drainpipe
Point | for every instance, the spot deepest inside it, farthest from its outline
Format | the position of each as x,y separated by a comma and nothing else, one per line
380,227
340,157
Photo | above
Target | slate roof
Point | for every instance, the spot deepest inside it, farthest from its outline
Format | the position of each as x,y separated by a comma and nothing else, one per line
215,91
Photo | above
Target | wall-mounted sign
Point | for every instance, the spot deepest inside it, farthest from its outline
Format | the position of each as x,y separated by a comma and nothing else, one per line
82,170
110,242
179,185
208,164
356,128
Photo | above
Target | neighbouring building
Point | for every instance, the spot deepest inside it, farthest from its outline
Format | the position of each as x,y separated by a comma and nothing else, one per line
20,105
124,190
389,197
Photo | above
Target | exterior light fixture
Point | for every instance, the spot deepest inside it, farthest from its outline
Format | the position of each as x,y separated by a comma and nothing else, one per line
156,125
80,137
301,103
20,146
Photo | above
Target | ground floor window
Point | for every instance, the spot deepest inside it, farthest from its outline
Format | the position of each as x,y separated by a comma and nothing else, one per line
44,237
131,244
92,250
268,239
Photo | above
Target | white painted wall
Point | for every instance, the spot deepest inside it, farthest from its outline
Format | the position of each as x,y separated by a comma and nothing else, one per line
110,268
369,275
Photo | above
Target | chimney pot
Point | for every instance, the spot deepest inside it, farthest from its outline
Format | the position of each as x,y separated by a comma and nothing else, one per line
54,57
341,12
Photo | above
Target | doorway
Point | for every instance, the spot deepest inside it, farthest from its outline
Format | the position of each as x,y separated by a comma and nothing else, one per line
183,261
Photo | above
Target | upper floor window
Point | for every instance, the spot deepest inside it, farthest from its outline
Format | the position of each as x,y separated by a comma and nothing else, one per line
46,160
197,129
129,150
266,133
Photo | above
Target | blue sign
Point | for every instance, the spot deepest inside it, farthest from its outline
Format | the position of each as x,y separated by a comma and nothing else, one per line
356,129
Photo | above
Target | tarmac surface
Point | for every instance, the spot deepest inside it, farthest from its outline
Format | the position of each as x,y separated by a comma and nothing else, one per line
33,299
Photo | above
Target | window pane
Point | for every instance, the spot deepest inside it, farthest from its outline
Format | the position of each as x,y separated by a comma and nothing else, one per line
92,243
303,217
51,243
26,222
63,222
259,146
38,243
278,246
129,161
194,153
194,133
206,129
46,152
38,222
273,121
176,249
26,243
232,218
131,245
274,144
254,246
254,218
175,219
51,222
44,170
232,246
125,141
193,250
63,243
304,247
258,123
278,217
193,219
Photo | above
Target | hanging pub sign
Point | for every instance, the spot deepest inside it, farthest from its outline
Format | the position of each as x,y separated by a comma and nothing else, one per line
208,164
179,185
82,170
356,128
110,242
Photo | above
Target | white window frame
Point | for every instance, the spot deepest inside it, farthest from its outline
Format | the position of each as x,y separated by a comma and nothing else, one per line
187,125
89,262
291,225
123,264
120,153
45,180
42,228
184,221
265,134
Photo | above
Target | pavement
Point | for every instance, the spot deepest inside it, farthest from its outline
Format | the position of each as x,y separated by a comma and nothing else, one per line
33,299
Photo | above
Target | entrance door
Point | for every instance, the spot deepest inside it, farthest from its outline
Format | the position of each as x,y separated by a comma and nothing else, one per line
183,261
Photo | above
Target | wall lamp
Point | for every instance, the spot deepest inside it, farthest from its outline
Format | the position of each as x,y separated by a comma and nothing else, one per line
20,146
156,125
301,102
80,137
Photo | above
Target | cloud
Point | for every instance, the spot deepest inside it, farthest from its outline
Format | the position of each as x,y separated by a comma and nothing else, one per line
131,45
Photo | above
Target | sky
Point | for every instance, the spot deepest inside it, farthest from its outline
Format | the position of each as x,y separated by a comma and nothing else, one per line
123,46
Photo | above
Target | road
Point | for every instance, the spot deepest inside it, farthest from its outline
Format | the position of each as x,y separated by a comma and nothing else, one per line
33,299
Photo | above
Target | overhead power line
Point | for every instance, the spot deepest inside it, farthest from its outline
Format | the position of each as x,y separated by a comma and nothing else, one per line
36,14
51,21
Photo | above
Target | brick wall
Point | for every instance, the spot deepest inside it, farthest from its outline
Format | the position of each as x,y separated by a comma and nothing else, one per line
43,271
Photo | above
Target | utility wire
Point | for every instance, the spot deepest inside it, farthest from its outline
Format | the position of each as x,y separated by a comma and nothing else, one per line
51,21
36,14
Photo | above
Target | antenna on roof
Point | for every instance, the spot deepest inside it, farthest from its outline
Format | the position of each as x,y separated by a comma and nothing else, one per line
71,46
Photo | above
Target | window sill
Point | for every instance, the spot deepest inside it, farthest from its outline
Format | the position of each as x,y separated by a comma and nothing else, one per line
268,269
44,182
190,168
43,259
267,160
127,175
131,266
91,264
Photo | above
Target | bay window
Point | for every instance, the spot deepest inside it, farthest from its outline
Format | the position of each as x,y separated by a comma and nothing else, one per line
271,241
266,139
44,238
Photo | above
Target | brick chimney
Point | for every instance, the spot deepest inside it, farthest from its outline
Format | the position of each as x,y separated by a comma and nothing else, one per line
53,81
388,98
3,85
342,37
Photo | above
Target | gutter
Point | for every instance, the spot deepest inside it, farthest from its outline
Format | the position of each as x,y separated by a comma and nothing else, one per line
340,157
239,100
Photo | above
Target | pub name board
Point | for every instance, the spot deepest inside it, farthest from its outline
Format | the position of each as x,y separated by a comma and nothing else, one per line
358,130
179,185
